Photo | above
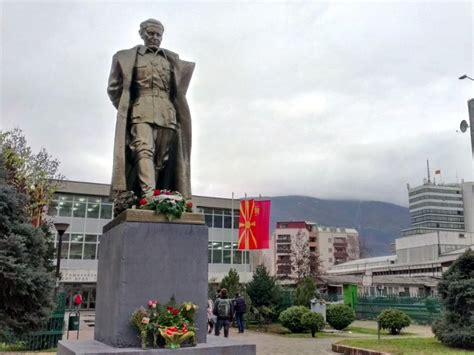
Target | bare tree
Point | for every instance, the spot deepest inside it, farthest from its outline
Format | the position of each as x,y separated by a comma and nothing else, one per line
300,256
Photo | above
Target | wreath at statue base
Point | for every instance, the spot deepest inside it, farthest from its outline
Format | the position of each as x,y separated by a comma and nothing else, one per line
165,326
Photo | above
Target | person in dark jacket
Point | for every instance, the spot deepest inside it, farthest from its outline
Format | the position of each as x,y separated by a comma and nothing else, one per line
240,307
223,310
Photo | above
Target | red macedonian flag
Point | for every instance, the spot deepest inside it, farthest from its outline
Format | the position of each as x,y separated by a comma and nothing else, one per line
254,224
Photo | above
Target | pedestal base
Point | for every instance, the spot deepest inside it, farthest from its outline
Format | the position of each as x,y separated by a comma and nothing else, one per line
142,256
214,346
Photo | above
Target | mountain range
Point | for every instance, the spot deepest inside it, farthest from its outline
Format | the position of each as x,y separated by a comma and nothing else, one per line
378,223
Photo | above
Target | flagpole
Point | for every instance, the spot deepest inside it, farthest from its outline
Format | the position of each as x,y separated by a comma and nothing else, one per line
232,225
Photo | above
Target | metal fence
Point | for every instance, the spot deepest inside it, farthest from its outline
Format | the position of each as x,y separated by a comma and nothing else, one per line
52,332
422,310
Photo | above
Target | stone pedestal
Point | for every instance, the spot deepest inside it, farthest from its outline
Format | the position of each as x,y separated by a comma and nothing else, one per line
214,346
142,256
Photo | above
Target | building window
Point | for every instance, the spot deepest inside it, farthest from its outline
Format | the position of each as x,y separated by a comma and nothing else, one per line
209,252
105,211
89,250
217,252
237,257
227,253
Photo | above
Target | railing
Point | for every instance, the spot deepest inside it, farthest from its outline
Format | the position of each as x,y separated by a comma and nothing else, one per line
422,310
53,332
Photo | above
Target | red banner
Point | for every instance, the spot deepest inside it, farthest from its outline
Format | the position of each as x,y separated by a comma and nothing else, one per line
254,225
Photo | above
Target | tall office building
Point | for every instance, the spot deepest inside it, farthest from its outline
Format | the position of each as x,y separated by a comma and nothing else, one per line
86,207
436,207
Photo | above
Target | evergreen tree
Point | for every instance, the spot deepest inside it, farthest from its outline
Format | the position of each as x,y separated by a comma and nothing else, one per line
305,292
231,282
262,289
456,288
26,277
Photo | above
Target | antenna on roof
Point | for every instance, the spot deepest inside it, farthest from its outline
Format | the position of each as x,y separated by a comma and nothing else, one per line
428,169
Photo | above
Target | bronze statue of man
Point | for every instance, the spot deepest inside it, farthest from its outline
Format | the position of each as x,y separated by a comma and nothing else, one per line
148,85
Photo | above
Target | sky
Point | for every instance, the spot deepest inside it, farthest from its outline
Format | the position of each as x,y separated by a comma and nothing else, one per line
339,99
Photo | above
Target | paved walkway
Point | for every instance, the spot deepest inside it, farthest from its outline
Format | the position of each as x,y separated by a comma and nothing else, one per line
272,344
267,344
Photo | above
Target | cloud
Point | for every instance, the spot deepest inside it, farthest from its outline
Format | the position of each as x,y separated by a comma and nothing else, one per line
335,100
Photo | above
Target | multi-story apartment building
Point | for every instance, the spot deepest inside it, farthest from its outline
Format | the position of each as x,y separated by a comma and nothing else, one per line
285,234
86,207
337,245
332,245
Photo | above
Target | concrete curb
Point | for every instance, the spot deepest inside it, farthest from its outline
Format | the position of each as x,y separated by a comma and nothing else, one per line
350,350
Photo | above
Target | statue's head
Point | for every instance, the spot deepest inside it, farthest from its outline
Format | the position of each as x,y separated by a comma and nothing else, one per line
151,31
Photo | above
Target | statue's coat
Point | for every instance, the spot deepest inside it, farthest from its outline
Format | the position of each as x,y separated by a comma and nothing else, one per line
120,80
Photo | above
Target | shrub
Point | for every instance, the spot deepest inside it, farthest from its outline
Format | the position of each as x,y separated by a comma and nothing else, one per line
339,316
394,320
312,321
456,328
291,318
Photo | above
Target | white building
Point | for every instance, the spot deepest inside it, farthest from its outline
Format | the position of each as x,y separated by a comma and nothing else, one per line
442,218
86,207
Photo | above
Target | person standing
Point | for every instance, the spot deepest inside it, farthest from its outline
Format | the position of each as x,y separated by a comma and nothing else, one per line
211,318
224,310
240,307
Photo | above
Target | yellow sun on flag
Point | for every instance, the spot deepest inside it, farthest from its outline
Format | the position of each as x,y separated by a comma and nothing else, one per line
246,223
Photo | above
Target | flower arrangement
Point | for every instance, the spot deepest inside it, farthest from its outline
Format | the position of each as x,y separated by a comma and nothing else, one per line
169,326
170,203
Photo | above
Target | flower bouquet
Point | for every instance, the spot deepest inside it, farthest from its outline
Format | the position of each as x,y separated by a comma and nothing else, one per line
170,203
170,327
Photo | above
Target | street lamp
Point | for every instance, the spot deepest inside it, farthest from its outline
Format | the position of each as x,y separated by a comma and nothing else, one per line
61,228
464,76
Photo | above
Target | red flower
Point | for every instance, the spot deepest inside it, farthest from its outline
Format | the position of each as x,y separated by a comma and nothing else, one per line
143,202
168,193
189,204
175,312
156,192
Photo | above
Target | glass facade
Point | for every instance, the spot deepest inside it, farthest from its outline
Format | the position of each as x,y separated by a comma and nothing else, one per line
80,242
81,206
222,251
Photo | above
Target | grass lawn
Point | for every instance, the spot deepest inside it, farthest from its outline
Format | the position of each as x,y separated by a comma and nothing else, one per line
6,348
371,331
276,328
406,346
